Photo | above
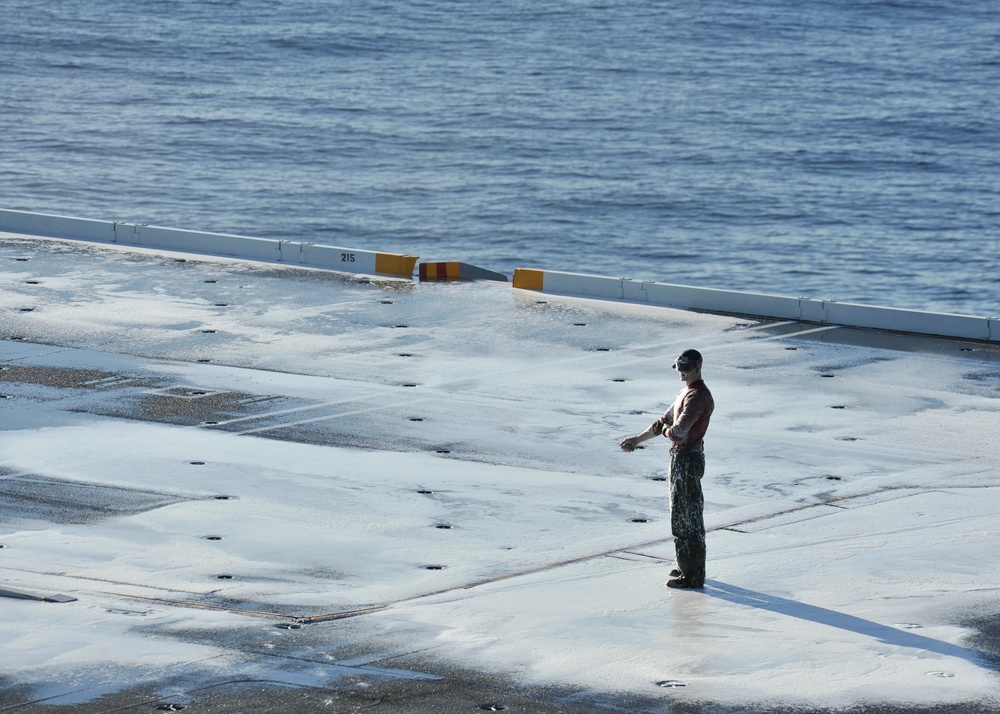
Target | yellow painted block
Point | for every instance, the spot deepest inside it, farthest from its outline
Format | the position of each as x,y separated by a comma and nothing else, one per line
394,264
528,279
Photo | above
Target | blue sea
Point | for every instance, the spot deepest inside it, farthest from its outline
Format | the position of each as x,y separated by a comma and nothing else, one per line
843,149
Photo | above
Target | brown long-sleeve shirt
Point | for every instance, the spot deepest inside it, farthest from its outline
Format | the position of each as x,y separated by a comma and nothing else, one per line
686,422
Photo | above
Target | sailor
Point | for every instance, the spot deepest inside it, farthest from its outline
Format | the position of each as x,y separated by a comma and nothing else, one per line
685,424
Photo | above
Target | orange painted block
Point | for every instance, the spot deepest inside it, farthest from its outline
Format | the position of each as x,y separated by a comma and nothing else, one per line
440,271
528,279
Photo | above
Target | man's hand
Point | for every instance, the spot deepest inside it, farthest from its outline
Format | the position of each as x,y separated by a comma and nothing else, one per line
628,445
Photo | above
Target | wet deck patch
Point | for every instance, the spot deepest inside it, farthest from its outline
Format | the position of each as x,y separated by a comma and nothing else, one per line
65,377
28,497
190,406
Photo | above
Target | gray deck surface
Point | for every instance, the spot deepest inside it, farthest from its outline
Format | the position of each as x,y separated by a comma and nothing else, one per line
270,489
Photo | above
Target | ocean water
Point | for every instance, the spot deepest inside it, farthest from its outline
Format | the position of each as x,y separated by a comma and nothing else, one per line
844,149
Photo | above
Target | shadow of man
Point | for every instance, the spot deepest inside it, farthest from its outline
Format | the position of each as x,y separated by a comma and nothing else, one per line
831,618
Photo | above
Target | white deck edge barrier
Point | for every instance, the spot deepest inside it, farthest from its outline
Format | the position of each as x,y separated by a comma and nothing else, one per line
346,260
349,260
762,305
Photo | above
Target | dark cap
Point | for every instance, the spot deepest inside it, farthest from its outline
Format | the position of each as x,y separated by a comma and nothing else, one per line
688,360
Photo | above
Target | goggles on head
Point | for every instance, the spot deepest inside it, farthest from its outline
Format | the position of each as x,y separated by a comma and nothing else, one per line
685,364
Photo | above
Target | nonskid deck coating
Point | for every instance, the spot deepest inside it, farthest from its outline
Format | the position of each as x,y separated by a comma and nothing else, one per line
817,454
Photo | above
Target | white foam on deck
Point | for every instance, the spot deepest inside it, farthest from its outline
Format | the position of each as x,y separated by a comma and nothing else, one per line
821,591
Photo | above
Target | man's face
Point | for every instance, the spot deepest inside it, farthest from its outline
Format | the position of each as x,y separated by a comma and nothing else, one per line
689,372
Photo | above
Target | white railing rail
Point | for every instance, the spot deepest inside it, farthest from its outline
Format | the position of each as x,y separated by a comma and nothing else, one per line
733,302
349,260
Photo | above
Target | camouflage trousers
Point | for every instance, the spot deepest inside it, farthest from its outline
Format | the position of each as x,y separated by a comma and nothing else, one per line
687,506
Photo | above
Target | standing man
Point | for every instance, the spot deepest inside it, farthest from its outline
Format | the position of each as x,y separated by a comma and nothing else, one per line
685,424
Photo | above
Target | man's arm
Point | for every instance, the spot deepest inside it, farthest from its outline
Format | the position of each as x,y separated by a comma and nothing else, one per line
653,430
